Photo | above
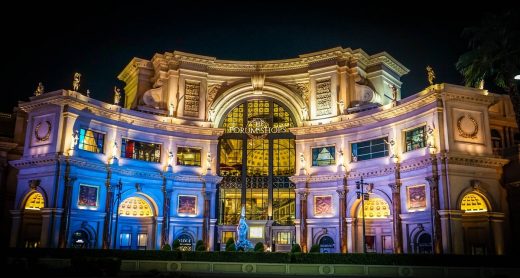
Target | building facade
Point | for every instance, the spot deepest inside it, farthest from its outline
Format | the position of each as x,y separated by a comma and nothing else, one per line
319,149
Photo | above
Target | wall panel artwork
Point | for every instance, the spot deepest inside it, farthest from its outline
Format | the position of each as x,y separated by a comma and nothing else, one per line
187,205
416,196
323,205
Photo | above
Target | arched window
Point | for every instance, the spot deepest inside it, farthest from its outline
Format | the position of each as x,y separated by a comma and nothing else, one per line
375,207
326,244
80,239
424,244
35,201
186,242
135,207
473,203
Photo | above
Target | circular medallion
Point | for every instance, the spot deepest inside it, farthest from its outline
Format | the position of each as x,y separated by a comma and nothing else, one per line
42,132
467,126
257,128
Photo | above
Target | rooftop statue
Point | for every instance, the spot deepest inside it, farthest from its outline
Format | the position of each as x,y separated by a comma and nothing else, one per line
242,228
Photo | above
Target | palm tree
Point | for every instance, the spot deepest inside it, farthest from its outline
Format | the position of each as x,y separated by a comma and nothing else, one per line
494,55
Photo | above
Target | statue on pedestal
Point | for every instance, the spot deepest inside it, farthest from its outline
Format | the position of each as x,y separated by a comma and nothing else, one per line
39,90
117,95
242,242
75,82
431,75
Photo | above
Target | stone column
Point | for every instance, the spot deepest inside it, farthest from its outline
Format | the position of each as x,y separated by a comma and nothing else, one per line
205,222
65,220
16,227
397,227
433,181
342,220
108,212
497,229
51,217
303,220
166,215
350,235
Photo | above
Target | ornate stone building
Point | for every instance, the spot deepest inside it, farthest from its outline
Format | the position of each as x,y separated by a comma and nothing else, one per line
320,149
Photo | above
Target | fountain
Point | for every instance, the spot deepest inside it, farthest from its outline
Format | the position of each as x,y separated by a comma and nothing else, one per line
242,242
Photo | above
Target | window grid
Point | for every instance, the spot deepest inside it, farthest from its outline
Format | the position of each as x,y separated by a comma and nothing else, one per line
369,149
140,150
283,157
415,138
230,192
284,200
257,198
283,238
91,141
188,156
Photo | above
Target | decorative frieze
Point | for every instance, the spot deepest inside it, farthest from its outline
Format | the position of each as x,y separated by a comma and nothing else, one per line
191,99
323,98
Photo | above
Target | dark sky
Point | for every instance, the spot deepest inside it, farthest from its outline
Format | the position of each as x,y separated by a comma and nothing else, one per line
99,41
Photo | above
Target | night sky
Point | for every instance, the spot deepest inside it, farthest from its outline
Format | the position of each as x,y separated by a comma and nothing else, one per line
99,41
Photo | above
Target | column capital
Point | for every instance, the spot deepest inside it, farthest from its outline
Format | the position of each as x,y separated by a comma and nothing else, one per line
303,194
433,181
342,192
395,187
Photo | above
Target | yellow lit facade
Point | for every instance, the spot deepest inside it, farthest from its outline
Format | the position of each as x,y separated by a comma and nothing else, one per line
35,201
135,207
473,203
375,208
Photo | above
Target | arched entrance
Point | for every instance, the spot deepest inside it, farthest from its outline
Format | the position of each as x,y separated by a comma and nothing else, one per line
424,244
32,220
376,217
256,158
186,242
136,223
326,245
475,222
80,239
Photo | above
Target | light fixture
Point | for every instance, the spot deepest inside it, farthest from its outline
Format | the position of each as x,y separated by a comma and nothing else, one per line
517,77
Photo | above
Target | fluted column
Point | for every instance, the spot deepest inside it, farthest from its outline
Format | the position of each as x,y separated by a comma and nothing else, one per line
205,222
165,229
65,220
342,218
303,220
433,181
398,229
108,211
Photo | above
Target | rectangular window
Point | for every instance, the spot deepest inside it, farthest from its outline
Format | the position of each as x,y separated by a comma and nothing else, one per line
227,235
370,242
415,138
91,141
230,157
369,149
256,232
88,196
140,150
283,238
125,240
387,244
187,156
324,156
142,241
230,203
283,201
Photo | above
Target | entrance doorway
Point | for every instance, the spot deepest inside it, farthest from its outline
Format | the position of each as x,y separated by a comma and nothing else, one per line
256,158
326,245
80,239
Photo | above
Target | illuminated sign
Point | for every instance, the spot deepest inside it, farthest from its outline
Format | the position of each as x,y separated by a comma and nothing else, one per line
257,128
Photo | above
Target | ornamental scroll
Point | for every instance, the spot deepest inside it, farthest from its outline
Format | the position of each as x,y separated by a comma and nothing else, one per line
323,98
191,99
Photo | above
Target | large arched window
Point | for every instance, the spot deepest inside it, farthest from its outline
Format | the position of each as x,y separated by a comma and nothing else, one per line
135,207
256,158
35,201
473,202
375,207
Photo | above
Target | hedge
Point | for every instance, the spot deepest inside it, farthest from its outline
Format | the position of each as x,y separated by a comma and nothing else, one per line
272,257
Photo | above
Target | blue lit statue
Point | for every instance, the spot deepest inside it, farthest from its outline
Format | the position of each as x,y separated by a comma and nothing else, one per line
242,242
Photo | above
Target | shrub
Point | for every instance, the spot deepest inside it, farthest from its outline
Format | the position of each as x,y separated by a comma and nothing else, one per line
296,248
231,247
200,246
96,266
176,245
315,248
229,242
259,247
166,247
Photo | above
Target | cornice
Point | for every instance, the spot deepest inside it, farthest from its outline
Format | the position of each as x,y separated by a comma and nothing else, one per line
475,161
35,161
317,178
371,117
79,102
